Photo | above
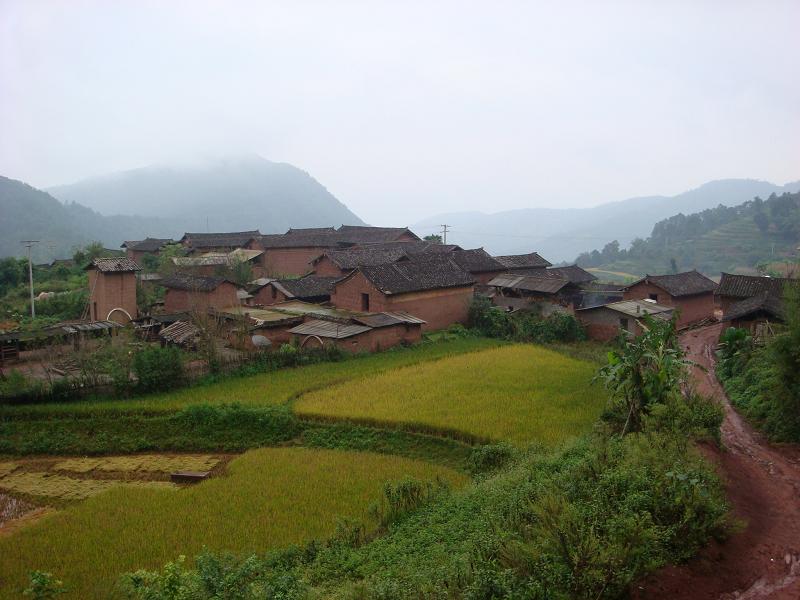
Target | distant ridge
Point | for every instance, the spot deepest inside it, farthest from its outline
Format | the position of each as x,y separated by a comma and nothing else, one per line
231,194
561,234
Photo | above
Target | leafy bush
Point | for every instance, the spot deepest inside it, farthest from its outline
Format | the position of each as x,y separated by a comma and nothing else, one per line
524,325
490,457
158,369
44,586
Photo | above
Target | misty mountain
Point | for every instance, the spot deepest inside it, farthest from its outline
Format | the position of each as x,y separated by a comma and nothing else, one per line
31,214
562,234
234,194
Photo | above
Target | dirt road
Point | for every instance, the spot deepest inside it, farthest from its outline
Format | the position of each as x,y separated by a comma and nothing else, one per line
763,484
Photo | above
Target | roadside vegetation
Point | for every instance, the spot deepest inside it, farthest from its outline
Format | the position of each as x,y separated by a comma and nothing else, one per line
515,394
763,379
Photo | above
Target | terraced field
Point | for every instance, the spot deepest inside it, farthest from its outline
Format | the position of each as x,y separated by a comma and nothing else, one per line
269,498
518,393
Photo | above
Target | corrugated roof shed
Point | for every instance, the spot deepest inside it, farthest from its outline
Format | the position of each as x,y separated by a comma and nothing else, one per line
680,284
180,332
422,273
192,283
329,329
114,265
529,283
635,308
747,286
522,261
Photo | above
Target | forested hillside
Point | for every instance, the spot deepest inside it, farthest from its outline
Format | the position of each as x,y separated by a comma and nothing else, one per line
31,214
744,237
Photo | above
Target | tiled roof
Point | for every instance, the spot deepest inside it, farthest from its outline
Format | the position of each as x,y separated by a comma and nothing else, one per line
309,286
114,265
378,254
420,274
476,260
747,286
310,230
763,302
192,283
573,273
529,283
522,261
680,284
230,239
148,244
345,236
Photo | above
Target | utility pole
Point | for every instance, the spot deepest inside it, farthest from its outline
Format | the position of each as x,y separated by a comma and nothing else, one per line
444,233
29,244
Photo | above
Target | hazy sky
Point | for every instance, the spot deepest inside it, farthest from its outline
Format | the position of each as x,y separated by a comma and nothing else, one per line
406,109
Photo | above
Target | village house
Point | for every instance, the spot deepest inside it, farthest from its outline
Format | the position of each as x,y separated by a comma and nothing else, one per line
112,289
478,263
735,288
526,264
690,293
435,290
217,242
573,273
312,325
137,250
606,322
547,292
338,263
190,293
293,252
310,288
753,302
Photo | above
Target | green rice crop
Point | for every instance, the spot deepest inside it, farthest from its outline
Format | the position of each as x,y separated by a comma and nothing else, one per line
271,388
517,393
270,498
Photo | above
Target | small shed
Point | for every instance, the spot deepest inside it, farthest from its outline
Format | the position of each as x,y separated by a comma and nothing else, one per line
607,321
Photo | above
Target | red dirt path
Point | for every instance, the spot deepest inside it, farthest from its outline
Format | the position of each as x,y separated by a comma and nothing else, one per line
763,486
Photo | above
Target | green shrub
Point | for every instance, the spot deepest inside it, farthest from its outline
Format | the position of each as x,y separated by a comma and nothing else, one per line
523,325
44,586
158,369
490,457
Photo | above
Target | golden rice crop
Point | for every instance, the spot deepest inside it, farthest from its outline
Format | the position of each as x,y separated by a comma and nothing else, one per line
140,462
272,388
6,468
270,498
49,485
518,393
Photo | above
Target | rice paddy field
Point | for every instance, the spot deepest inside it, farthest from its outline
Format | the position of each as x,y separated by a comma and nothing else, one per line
266,389
269,498
516,393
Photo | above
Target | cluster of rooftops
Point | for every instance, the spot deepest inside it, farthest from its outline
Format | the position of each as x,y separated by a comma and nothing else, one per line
310,264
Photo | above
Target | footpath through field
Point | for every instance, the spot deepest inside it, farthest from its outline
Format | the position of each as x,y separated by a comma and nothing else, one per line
763,486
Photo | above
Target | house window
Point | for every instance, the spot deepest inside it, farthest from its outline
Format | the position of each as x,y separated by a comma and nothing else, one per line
654,297
365,302
95,312
623,323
